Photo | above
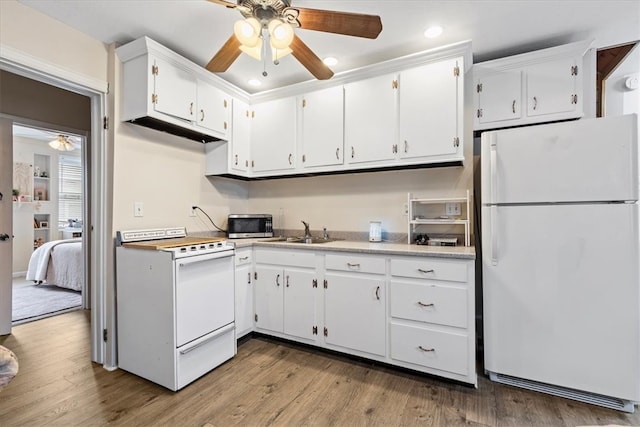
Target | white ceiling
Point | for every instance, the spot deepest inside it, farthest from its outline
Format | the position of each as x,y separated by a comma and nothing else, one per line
196,29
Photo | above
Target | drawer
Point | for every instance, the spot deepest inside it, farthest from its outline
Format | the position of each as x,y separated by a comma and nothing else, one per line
430,268
243,257
429,303
299,258
360,264
202,355
429,348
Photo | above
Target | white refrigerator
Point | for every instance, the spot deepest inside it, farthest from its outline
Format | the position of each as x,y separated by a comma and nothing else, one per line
560,259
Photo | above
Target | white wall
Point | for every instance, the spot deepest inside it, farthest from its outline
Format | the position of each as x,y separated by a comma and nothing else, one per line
618,99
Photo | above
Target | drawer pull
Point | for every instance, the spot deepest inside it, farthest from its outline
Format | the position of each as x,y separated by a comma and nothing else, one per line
244,258
378,293
425,271
426,349
353,265
421,304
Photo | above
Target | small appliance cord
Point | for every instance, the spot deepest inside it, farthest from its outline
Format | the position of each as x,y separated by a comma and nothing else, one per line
214,224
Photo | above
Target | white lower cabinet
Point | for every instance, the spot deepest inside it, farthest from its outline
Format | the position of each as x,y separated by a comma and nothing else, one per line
244,291
285,293
417,312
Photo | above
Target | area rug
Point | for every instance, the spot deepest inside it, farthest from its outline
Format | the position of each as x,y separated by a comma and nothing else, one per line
31,302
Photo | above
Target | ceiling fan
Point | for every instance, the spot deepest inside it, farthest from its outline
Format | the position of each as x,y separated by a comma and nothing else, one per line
276,19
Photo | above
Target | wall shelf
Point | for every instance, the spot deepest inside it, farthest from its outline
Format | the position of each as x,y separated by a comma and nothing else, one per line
427,211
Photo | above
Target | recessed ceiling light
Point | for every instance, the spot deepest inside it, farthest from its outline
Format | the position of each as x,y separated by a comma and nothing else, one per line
254,82
433,31
330,61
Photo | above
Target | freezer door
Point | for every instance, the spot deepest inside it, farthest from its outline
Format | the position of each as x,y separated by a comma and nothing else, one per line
561,296
578,161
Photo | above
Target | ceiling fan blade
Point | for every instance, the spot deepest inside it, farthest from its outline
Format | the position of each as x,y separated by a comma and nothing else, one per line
310,60
224,3
223,59
350,24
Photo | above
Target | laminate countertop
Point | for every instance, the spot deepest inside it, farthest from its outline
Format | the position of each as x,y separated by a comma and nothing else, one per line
376,248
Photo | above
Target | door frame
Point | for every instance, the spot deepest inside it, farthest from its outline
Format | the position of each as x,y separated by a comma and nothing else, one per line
28,66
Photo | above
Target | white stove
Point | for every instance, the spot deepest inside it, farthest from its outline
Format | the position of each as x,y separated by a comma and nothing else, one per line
175,304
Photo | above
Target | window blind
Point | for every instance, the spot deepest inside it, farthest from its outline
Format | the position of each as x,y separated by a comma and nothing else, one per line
69,189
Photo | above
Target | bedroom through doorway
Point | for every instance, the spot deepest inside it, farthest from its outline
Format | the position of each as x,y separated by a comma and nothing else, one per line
48,276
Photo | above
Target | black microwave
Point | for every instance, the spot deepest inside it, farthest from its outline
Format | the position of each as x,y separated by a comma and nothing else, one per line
243,226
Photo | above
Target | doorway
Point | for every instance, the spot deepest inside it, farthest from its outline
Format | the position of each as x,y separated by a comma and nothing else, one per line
48,274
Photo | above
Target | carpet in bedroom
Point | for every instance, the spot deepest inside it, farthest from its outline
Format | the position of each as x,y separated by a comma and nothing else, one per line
31,302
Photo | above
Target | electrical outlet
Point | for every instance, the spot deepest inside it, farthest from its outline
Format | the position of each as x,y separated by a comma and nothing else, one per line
138,209
192,211
405,209
453,209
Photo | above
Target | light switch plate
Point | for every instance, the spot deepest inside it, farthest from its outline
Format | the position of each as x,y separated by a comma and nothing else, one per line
453,209
138,209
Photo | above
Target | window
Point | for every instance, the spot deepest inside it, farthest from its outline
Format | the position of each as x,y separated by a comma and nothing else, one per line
69,189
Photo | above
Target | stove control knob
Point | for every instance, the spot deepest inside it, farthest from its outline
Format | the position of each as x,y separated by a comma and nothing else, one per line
193,248
183,249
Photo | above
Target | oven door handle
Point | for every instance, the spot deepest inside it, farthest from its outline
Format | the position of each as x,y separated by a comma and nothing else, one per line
184,262
214,335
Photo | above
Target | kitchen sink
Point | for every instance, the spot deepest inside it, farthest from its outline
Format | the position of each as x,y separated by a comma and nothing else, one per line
308,241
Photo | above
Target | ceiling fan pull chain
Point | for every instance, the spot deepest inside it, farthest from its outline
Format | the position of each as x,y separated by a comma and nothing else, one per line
264,55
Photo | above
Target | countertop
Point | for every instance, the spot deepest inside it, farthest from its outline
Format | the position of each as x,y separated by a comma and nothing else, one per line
377,248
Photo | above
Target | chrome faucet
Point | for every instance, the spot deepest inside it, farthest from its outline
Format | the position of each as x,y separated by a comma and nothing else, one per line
325,235
307,233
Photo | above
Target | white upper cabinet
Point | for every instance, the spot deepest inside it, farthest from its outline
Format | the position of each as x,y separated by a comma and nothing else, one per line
430,114
322,127
240,136
273,136
213,108
371,119
552,87
174,90
542,86
499,97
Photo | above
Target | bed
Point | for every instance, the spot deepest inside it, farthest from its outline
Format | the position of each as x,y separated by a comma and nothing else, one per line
59,263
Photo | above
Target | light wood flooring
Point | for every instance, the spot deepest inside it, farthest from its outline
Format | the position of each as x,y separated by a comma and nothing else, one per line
268,383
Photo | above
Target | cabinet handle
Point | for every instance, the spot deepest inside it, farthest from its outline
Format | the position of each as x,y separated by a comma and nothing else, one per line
244,258
513,106
249,278
278,280
535,102
338,153
353,265
378,293
421,304
290,159
353,152
425,271
406,146
426,349
236,160
202,115
191,109
287,280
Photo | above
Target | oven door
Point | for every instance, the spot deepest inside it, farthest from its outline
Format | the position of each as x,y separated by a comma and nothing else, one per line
204,295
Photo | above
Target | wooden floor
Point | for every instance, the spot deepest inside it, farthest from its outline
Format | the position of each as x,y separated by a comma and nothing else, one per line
267,383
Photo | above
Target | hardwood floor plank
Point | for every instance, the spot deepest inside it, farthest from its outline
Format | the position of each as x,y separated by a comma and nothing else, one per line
269,383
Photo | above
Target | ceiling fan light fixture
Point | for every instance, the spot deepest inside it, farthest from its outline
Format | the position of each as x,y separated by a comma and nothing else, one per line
253,51
247,31
280,34
277,54
433,31
61,143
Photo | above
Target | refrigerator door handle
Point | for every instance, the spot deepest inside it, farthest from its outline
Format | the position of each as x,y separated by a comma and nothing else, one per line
494,234
493,165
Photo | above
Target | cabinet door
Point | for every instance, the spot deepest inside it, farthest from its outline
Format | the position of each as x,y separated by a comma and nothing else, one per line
499,97
299,303
273,136
551,87
175,91
213,108
244,299
355,312
269,288
323,127
240,136
429,110
370,110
